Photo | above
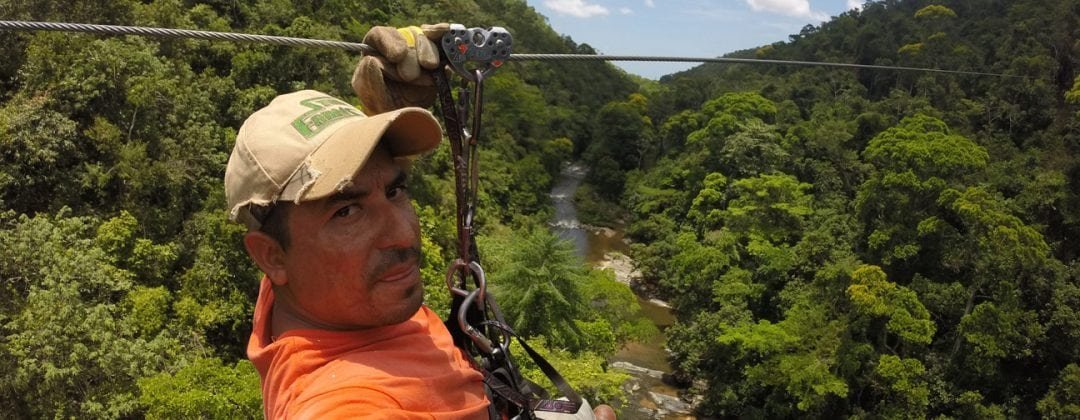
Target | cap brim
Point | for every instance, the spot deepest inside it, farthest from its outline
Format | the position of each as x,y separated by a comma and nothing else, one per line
404,132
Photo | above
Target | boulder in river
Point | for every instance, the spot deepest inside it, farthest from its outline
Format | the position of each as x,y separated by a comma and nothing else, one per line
668,405
622,265
637,370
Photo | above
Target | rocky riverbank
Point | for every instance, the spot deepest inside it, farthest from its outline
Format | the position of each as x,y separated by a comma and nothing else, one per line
626,273
623,267
651,396
654,397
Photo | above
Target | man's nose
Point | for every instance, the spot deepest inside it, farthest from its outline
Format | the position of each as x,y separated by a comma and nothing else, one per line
399,227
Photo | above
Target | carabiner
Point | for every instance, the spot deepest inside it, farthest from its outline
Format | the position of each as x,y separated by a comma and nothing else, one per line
482,342
473,268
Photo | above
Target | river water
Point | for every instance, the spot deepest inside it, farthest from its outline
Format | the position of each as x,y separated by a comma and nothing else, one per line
650,397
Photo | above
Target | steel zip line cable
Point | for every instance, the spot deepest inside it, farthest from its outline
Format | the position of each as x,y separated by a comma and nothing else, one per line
181,33
364,48
600,57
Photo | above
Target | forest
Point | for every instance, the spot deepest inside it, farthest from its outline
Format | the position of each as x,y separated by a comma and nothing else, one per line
865,243
833,242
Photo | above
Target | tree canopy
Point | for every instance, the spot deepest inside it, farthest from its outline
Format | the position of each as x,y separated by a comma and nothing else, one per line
833,242
869,243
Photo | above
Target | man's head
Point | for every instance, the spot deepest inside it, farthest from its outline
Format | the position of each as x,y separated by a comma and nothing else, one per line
322,193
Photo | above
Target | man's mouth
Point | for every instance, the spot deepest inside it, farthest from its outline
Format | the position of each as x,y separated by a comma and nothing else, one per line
399,265
400,272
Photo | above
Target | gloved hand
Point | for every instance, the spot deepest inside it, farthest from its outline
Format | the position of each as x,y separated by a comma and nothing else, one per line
398,78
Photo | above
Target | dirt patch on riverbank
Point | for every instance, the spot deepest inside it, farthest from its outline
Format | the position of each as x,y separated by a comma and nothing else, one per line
622,265
628,274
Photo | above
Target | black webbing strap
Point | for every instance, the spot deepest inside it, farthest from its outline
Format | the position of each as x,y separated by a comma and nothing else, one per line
541,403
534,403
553,375
512,395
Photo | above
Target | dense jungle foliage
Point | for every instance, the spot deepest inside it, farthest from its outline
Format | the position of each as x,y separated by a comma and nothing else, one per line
125,292
866,243
833,242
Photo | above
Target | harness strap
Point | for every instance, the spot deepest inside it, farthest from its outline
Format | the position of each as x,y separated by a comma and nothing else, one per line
481,339
553,375
535,404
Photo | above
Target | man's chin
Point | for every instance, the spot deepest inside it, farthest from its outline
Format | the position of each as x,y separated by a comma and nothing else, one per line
407,306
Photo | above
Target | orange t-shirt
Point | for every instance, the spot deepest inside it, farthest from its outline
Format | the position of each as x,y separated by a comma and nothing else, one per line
411,370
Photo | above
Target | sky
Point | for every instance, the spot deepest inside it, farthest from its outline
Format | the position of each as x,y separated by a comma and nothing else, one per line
697,28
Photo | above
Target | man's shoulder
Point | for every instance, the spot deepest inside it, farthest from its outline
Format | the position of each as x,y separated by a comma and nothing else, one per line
396,382
419,348
325,391
412,366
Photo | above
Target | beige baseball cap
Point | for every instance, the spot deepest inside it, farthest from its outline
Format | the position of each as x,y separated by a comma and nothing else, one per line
308,145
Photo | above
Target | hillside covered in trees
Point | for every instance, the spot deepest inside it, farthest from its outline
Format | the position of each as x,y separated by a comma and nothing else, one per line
834,242
865,243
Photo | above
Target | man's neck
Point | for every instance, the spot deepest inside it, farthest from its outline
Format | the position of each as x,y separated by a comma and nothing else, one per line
283,320
286,316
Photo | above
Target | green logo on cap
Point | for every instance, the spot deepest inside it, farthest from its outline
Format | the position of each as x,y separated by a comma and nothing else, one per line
324,112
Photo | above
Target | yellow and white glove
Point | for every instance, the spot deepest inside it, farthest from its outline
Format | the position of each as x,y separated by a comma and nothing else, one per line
398,78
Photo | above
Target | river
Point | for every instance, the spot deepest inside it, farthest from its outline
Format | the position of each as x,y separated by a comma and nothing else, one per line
650,397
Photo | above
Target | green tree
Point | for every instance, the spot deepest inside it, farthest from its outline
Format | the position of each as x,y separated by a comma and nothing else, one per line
205,389
874,296
790,361
773,206
1062,401
916,161
72,347
538,288
39,149
903,383
617,305
622,140
753,150
707,211
738,132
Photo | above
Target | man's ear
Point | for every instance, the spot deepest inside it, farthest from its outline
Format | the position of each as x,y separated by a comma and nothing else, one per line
268,255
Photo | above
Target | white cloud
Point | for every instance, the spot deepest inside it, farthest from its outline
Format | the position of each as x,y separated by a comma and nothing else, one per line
626,10
854,4
718,14
797,8
576,8
650,4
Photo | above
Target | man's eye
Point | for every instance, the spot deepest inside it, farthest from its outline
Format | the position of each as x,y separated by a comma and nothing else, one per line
345,211
397,191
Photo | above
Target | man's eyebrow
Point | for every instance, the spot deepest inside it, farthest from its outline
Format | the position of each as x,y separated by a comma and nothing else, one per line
400,178
346,195
358,193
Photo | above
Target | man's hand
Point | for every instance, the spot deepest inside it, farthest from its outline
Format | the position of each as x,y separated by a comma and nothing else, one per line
604,412
398,78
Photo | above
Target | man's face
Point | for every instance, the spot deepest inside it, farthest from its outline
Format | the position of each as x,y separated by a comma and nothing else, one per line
353,258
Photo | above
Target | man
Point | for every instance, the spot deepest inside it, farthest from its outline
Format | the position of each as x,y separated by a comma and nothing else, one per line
339,329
